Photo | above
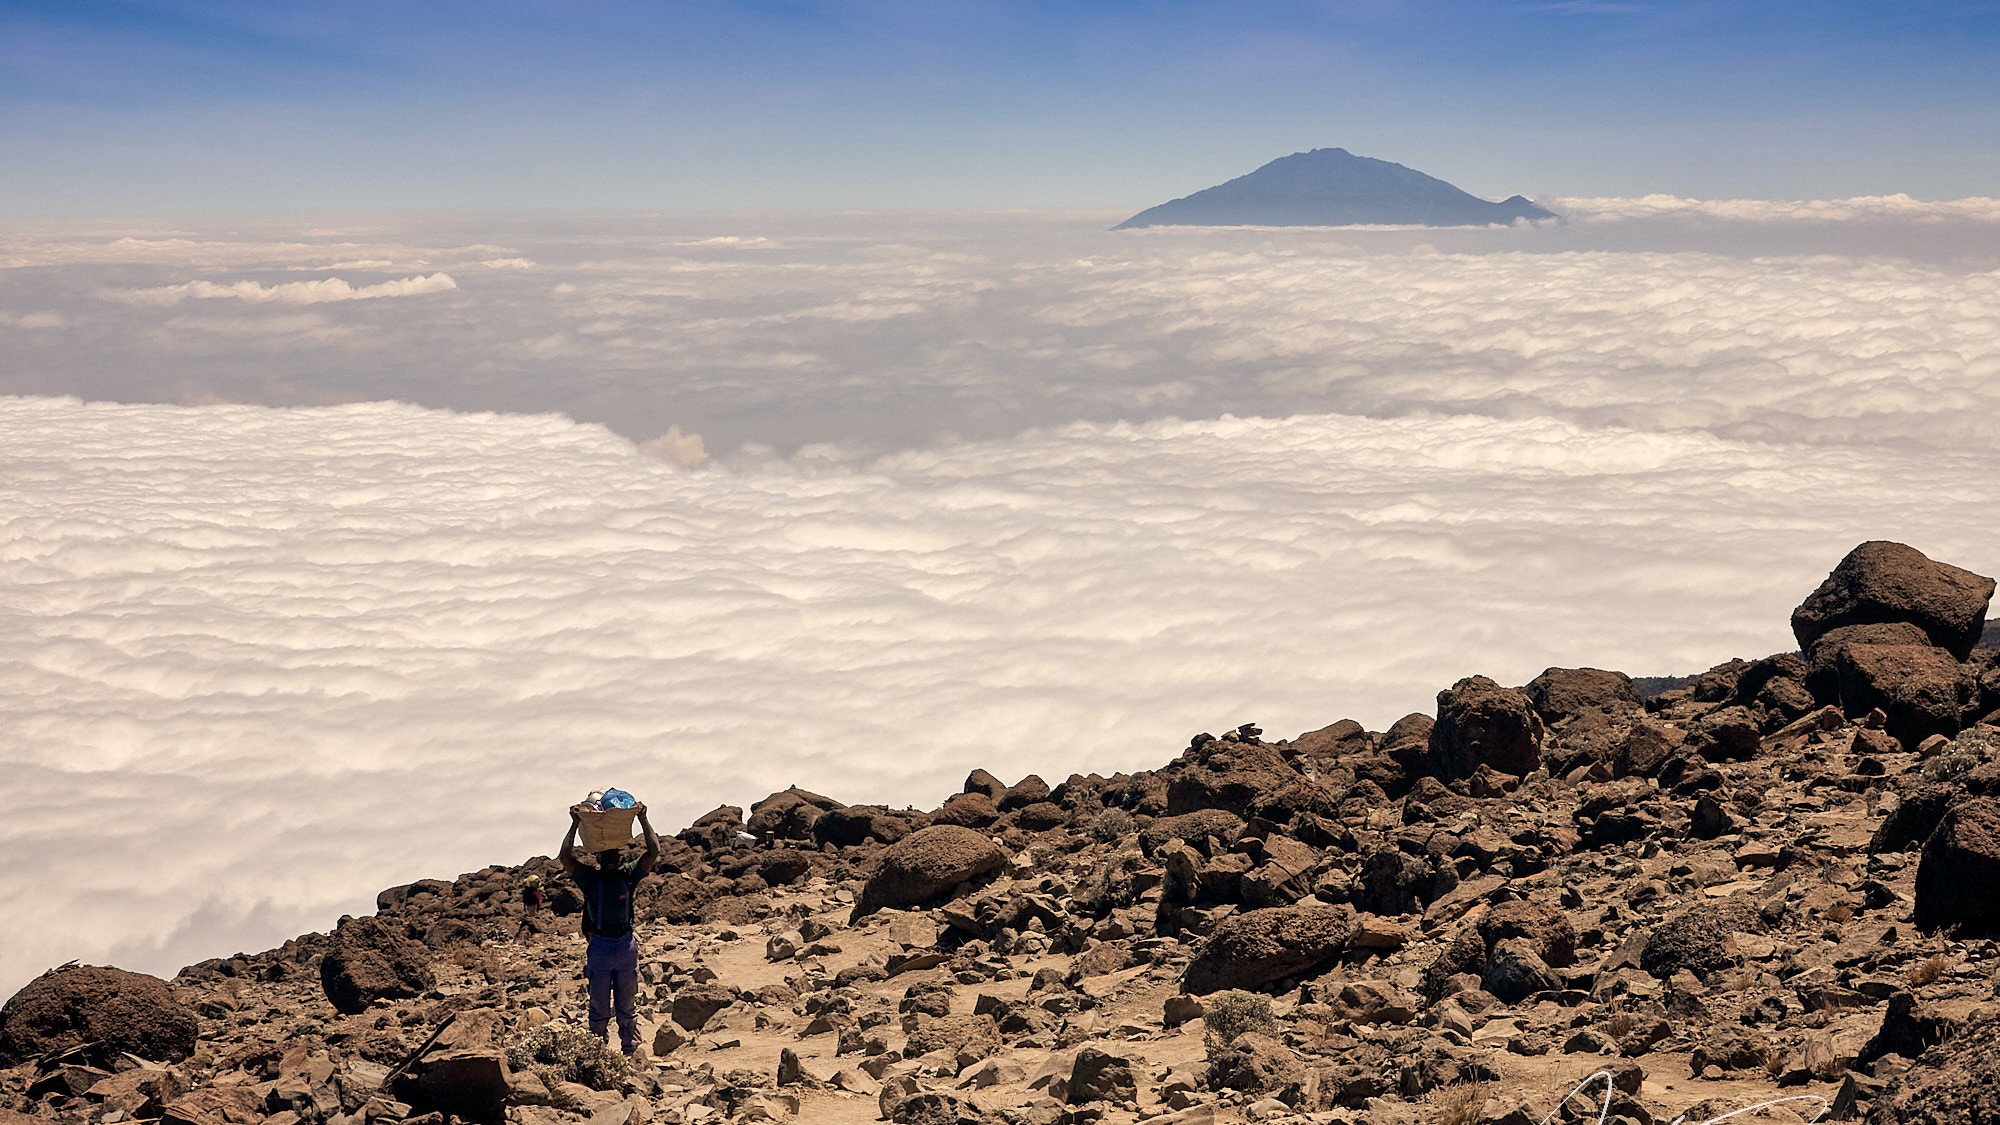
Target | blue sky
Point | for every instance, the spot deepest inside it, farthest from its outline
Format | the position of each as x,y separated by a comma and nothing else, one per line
134,107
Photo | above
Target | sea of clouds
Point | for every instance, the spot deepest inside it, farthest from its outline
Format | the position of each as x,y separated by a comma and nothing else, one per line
336,558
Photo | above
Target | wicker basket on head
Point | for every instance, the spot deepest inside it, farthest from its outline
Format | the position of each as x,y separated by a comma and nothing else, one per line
604,830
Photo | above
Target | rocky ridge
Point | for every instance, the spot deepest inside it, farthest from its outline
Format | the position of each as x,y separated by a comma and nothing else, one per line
1770,885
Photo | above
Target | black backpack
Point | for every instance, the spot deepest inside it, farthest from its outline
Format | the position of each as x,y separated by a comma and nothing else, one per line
607,901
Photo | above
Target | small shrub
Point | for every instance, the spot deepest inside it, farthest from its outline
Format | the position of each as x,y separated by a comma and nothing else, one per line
1840,913
1113,825
1929,970
565,1052
1229,1014
1459,1103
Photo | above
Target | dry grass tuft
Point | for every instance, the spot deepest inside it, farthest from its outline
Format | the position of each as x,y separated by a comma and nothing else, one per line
1459,1103
1929,970
1621,1024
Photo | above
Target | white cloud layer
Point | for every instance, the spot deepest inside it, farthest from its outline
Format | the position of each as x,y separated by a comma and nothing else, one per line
1897,208
894,498
285,293
256,664
891,332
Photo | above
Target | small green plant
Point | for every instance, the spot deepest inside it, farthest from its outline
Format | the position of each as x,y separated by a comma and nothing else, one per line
1226,1015
564,1052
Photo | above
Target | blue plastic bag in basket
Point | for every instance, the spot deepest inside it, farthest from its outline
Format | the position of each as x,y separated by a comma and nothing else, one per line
619,799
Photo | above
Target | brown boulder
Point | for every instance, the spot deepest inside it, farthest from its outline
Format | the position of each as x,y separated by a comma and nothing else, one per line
1097,1076
1956,1082
927,864
1030,790
1252,1062
1260,947
979,781
1775,688
1881,582
1039,816
1392,881
1699,939
118,1010
1515,972
1726,734
1222,774
1916,686
463,1073
788,814
967,810
1563,693
1481,723
696,1004
1960,869
1194,828
1823,680
1328,745
369,959
1545,928
1283,874
853,825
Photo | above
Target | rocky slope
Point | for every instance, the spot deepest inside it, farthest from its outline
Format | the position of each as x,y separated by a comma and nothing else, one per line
1551,902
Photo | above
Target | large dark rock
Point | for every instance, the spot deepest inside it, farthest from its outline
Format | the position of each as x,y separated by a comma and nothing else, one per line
1323,748
1956,1082
789,814
1698,939
928,864
464,1073
1194,828
1960,869
852,825
1481,723
1392,881
1909,1028
1917,686
1030,790
696,1004
1563,693
1823,680
1545,928
370,959
967,810
1261,947
1097,1076
1880,582
1515,972
1221,774
1775,688
119,1010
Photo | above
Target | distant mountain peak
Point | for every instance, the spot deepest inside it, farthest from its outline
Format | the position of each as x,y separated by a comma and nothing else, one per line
1334,187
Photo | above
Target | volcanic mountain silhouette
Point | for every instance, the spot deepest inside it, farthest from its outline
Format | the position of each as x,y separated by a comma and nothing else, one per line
1334,187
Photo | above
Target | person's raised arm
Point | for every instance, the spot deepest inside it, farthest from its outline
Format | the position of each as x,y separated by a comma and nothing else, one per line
567,853
652,853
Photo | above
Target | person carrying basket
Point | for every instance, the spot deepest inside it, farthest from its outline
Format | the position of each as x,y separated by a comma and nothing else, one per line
611,958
